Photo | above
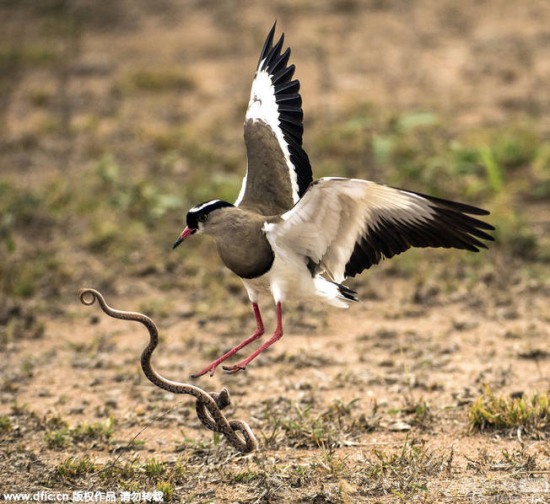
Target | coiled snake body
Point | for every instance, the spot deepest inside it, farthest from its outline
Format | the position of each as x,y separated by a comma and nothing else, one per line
208,405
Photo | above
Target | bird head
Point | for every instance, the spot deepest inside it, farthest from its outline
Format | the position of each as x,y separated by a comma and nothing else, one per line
197,219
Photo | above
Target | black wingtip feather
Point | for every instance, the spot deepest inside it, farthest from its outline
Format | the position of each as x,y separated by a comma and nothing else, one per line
449,227
268,44
452,205
274,53
281,61
283,75
288,87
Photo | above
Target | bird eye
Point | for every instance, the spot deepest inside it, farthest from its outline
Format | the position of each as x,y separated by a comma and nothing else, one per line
203,218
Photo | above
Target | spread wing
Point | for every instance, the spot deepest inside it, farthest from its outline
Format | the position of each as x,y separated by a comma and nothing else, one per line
278,171
344,226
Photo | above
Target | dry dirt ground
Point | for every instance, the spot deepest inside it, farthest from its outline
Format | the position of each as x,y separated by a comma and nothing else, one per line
365,405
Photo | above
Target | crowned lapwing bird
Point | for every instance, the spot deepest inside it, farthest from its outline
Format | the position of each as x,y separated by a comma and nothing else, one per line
291,237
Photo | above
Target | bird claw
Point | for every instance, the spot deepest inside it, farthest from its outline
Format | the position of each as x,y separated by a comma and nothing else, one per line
233,369
209,369
212,368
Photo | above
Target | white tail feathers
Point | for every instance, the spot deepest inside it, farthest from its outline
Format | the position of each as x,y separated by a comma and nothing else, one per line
333,293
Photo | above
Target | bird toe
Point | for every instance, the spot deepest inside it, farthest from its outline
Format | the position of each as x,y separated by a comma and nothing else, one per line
233,369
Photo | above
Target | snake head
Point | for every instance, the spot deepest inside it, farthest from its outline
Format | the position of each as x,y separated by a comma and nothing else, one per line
222,399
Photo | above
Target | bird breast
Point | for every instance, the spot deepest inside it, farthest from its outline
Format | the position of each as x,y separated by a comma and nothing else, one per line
244,249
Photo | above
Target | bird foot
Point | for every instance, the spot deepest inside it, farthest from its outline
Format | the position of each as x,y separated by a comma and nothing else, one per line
211,369
233,369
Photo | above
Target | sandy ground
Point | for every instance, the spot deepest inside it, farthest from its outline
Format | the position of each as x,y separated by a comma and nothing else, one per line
344,390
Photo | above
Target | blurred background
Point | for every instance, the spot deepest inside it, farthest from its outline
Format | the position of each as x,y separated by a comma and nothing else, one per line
116,117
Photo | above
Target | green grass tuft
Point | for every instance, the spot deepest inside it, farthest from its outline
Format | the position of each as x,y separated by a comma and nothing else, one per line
75,467
302,426
496,412
59,435
154,468
5,423
404,472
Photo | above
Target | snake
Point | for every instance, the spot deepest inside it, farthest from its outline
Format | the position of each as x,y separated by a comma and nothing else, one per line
208,405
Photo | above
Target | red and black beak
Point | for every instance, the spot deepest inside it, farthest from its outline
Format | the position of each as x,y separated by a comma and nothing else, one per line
184,234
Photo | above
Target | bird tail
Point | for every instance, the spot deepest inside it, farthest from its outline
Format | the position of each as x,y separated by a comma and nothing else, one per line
334,293
347,293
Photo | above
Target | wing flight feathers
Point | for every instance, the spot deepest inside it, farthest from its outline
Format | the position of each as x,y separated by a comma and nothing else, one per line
346,225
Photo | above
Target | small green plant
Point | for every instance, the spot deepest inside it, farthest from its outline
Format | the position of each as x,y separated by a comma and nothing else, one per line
496,412
420,413
406,471
59,435
303,426
167,490
57,439
101,430
245,476
5,423
75,467
518,461
153,468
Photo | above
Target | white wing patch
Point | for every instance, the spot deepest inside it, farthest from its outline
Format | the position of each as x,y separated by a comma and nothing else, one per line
262,104
243,189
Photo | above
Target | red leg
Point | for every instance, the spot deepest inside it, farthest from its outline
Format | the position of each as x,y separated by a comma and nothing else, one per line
257,333
275,337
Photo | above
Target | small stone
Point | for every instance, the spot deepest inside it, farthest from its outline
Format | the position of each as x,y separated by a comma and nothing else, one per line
399,426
